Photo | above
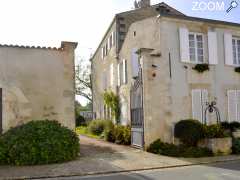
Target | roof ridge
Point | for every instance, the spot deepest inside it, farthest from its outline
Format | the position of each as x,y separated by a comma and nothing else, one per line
32,47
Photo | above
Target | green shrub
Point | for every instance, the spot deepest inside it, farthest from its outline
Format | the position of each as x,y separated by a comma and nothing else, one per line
236,146
80,121
225,125
96,127
39,142
189,132
214,131
3,152
234,126
158,147
122,135
237,69
109,133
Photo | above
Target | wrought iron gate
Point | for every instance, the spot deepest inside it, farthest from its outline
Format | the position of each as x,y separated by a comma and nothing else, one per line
137,118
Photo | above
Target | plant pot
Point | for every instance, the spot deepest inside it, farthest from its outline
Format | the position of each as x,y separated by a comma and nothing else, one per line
217,145
236,134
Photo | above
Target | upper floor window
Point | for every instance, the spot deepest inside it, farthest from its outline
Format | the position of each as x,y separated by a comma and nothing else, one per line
196,49
236,50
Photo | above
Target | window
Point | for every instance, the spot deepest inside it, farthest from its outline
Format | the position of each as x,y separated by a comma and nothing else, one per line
236,51
122,73
199,100
234,105
196,49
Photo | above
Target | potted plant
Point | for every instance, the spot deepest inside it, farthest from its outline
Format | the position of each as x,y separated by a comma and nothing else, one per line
201,68
237,69
217,140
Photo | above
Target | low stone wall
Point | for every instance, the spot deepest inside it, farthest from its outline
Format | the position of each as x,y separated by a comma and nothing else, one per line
218,145
236,134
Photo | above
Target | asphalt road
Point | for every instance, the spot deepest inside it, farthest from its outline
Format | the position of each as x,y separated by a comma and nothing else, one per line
220,171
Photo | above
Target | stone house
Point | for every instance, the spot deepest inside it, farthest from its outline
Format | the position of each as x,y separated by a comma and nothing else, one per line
37,83
150,64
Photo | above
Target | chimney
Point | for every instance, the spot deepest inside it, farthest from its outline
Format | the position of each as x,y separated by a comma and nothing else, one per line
142,3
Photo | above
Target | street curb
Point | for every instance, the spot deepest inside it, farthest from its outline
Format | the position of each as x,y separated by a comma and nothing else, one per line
120,171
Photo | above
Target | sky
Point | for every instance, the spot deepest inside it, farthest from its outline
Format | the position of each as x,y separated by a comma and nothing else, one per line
48,22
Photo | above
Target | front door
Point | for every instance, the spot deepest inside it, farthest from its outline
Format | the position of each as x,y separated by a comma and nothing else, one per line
137,121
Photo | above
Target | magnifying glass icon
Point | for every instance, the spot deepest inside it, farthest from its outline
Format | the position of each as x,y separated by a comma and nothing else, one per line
233,5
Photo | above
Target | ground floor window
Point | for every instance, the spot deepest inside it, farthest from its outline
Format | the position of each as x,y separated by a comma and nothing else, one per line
199,100
234,105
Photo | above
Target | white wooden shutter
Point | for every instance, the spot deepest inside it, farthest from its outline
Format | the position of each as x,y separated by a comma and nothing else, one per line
118,72
204,102
111,75
184,44
113,38
124,71
228,48
102,53
196,104
212,48
232,106
109,44
135,63
238,105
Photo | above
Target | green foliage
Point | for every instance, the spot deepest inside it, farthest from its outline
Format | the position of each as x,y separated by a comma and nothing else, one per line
233,126
189,131
96,127
201,68
39,142
158,147
122,135
236,146
80,121
214,131
237,69
112,101
109,132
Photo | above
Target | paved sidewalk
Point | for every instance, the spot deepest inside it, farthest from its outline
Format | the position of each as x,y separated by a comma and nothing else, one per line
99,157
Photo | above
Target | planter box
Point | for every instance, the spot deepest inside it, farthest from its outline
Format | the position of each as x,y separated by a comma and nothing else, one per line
236,134
218,145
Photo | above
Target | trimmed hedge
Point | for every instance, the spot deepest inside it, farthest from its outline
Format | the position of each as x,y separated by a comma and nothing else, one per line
233,126
158,147
38,142
189,132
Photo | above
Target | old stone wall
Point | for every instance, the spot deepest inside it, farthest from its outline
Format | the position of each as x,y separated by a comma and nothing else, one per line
37,84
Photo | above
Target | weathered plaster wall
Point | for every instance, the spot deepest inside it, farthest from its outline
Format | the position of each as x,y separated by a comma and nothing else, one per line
168,99
37,84
100,66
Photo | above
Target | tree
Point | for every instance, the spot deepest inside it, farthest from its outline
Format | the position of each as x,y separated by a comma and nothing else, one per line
83,80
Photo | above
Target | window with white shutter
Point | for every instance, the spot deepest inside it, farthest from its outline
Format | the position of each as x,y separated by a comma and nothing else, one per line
135,63
234,105
124,71
212,48
113,38
199,100
236,51
196,48
228,47
184,44
111,75
238,105
119,75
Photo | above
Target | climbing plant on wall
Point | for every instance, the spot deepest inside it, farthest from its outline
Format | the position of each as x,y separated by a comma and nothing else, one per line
112,101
